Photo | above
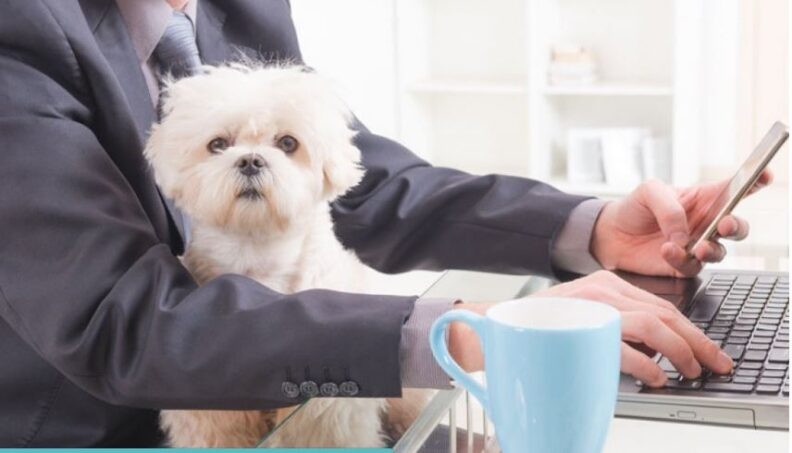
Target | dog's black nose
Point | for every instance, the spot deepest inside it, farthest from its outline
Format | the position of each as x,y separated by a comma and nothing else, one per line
250,164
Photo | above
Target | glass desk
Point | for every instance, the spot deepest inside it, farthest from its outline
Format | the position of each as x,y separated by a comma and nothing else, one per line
443,424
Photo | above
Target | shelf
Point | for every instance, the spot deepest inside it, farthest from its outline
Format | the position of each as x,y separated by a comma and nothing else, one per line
610,89
596,189
505,87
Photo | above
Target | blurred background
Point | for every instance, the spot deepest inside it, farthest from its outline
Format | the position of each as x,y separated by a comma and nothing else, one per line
592,96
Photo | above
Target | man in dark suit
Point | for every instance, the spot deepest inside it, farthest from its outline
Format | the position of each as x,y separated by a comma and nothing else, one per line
100,325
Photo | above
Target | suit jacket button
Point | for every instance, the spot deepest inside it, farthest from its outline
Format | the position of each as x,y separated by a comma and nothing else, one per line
290,389
309,389
328,389
349,388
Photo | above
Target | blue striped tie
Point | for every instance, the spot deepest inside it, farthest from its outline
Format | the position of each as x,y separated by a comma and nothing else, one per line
177,52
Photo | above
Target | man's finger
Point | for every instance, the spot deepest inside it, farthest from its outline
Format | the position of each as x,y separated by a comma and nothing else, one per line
678,258
764,180
641,367
733,228
663,202
705,350
710,252
649,329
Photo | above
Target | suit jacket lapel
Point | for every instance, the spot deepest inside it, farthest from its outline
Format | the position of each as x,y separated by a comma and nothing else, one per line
212,44
113,41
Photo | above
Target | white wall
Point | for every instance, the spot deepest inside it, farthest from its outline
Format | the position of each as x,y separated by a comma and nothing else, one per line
353,42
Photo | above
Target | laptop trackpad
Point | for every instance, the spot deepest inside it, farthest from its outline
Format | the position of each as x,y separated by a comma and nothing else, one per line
685,413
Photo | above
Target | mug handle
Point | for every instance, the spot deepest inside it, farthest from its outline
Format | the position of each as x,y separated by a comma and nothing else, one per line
447,363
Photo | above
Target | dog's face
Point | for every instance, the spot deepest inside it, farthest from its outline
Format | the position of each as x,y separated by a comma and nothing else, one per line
253,150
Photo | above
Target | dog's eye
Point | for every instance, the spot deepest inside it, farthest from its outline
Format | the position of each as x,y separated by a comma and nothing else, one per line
288,144
217,145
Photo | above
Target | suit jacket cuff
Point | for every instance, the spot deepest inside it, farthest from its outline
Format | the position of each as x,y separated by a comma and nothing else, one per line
418,366
571,249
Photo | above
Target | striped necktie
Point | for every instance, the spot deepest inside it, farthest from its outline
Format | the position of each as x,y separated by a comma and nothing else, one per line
177,51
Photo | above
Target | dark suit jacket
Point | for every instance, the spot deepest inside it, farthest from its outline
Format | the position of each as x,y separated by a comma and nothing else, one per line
100,325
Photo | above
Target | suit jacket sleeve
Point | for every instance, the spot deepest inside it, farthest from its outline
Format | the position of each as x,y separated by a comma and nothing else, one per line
407,214
86,282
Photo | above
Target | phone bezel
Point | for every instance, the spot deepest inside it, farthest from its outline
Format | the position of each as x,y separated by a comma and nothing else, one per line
710,232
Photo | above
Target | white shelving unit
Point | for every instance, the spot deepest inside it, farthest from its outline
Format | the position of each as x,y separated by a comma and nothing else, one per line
474,94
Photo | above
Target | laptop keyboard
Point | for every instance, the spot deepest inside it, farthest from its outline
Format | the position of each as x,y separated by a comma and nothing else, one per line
748,316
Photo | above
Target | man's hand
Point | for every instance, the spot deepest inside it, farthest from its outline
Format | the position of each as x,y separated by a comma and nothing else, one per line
647,231
646,319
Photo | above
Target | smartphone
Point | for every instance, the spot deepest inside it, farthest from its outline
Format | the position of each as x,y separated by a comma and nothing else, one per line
739,185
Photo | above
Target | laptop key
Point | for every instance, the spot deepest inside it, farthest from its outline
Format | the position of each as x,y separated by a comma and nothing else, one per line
743,327
773,374
734,351
755,356
706,308
737,341
768,388
743,372
718,330
759,347
684,384
720,378
728,387
666,364
776,366
779,355
749,366
770,381
745,380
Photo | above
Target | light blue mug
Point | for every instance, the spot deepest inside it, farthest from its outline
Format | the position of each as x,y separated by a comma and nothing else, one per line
552,371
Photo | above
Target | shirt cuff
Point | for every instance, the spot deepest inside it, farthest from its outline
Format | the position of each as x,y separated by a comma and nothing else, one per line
418,366
572,247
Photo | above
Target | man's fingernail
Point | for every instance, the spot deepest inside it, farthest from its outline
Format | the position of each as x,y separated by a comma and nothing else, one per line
679,238
696,369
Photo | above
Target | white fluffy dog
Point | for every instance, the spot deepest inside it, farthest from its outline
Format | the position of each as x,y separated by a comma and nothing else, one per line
254,155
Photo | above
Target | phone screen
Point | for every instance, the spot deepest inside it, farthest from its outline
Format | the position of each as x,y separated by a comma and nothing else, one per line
740,183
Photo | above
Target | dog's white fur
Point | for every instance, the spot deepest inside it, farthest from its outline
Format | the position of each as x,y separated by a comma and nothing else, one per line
283,239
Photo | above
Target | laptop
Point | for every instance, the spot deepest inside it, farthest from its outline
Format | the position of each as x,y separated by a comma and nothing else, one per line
747,313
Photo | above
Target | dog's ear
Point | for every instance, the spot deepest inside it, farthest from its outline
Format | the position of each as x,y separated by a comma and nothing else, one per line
342,170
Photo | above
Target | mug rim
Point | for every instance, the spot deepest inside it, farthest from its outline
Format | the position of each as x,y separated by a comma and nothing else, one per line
609,313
